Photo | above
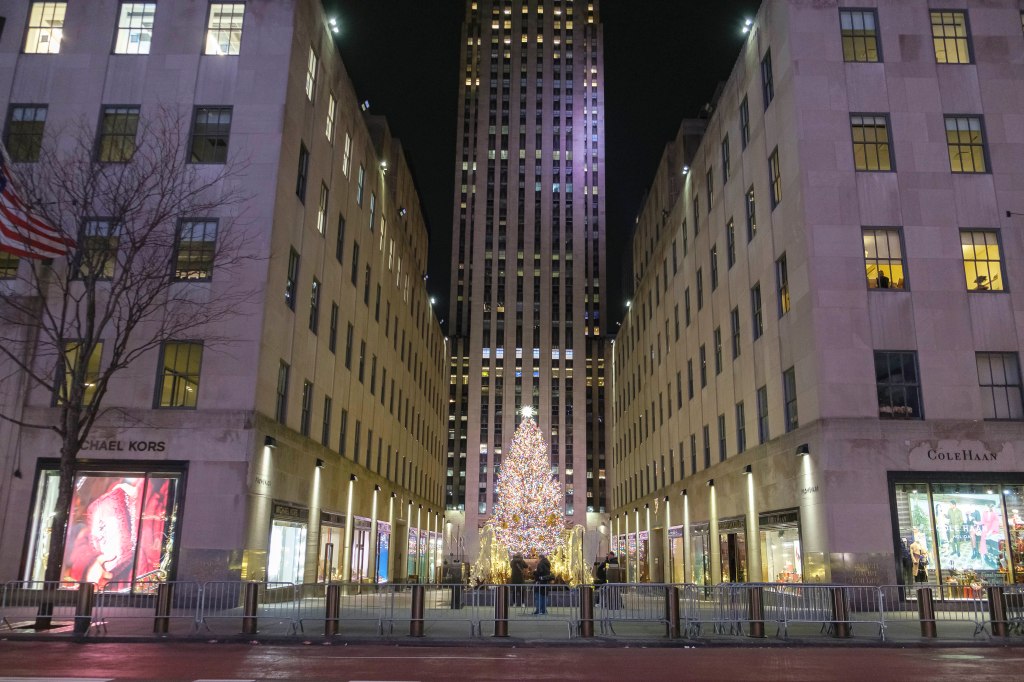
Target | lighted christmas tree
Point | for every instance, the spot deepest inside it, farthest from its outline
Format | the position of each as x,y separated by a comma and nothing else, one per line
528,514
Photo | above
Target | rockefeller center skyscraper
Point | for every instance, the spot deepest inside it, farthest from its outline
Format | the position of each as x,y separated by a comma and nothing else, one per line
528,255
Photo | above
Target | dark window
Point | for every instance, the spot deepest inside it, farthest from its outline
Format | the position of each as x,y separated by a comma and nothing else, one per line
339,247
741,428
714,267
999,380
756,312
332,339
348,346
195,249
730,243
767,79
722,443
726,170
97,255
343,433
8,265
744,123
775,178
25,127
703,354
899,386
718,350
118,128
751,212
355,264
734,321
302,175
307,408
281,409
325,431
789,399
762,415
314,307
210,133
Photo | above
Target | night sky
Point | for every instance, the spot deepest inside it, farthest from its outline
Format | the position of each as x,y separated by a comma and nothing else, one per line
663,59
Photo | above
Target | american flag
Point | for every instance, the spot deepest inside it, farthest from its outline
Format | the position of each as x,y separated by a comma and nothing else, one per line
22,233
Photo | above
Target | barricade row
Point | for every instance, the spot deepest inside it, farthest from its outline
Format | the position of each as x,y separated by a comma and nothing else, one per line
452,611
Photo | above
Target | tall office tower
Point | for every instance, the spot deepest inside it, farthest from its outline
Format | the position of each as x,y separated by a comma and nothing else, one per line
528,254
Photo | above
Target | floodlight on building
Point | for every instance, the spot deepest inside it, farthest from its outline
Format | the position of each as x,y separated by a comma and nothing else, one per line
320,463
433,300
384,165
686,170
710,483
748,470
402,211
376,488
353,478
666,498
748,26
629,304
269,442
365,106
803,449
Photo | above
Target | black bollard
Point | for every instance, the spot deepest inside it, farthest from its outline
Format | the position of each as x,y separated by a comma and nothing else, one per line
926,612
333,615
83,609
672,611
501,611
840,614
586,610
997,611
756,611
162,617
250,602
416,620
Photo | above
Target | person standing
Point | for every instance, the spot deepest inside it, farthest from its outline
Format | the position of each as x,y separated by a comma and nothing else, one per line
919,553
541,576
956,526
518,566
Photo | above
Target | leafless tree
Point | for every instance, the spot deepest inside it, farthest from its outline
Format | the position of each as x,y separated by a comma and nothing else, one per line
123,289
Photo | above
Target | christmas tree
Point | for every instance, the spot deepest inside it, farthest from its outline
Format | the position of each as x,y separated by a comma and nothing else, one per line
528,515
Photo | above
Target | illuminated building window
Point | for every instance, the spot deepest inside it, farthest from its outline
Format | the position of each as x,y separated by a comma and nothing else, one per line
224,29
45,27
883,258
321,211
871,146
965,140
135,28
311,68
69,360
859,30
25,126
782,284
983,266
332,110
950,37
195,250
178,384
118,128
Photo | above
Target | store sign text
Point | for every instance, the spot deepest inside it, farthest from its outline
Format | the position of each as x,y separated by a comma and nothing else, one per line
967,455
125,446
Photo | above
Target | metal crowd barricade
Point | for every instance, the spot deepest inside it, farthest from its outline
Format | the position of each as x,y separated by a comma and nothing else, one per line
362,609
276,606
169,607
1015,608
723,607
630,602
963,604
25,601
793,604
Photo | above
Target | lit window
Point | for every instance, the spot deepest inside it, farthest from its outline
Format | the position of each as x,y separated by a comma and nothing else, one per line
965,139
782,283
332,110
899,387
775,177
949,36
311,65
859,30
45,27
118,127
360,184
871,150
982,263
210,133
8,265
25,126
180,363
224,30
883,258
70,359
195,250
999,380
321,211
135,28
346,158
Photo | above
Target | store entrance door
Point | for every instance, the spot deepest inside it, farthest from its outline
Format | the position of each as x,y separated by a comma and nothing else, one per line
734,557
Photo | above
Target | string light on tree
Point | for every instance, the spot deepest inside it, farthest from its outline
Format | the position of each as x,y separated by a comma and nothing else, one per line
528,514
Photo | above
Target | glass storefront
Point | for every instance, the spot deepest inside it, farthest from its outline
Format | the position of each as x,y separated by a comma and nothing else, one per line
781,557
122,527
700,547
286,557
413,560
732,539
677,549
967,534
383,551
330,567
362,549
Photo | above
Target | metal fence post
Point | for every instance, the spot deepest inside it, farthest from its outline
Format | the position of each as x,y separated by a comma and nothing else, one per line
586,610
162,617
840,613
756,611
997,611
83,608
416,620
250,602
671,612
926,612
333,610
501,611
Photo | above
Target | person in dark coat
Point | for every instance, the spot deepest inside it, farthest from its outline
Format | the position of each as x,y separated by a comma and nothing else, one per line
518,579
542,576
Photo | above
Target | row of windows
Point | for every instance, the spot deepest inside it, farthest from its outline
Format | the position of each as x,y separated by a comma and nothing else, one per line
117,133
872,143
134,28
898,385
